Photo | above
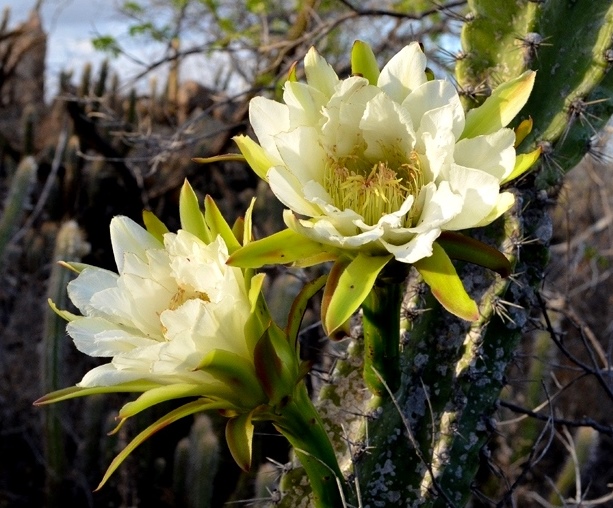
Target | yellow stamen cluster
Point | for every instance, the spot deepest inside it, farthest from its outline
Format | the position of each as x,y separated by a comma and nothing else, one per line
377,191
183,294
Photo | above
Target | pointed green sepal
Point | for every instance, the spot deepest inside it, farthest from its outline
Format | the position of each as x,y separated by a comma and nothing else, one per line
188,409
292,77
280,248
158,395
64,314
73,266
299,307
218,225
347,291
254,154
239,435
192,219
364,62
237,376
276,364
154,226
465,248
72,392
226,157
317,259
523,162
248,226
500,107
522,130
440,274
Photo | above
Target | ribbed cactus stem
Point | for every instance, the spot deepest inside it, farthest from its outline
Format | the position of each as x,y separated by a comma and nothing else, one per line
86,78
301,424
17,201
381,323
69,246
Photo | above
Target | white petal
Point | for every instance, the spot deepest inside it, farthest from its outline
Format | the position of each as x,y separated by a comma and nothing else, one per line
90,281
302,154
128,236
289,191
418,248
387,130
108,375
439,204
480,192
268,118
504,203
403,73
433,95
99,337
319,73
341,131
493,153
305,104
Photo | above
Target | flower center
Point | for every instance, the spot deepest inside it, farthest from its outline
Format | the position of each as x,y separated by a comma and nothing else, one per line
374,191
183,294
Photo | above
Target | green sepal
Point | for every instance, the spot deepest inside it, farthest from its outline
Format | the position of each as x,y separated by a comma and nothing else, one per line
280,248
254,154
276,364
64,314
187,409
239,435
192,219
440,274
158,395
247,236
292,76
317,259
237,376
465,248
72,392
347,291
500,107
364,62
74,266
218,225
299,307
522,130
226,157
154,226
523,162
238,229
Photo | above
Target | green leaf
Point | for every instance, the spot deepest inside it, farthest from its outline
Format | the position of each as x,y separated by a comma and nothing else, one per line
154,225
500,107
192,219
181,412
72,392
158,395
283,247
440,274
364,62
239,435
218,225
465,248
299,307
347,292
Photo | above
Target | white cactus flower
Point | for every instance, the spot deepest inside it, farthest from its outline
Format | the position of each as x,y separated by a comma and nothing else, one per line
380,166
167,308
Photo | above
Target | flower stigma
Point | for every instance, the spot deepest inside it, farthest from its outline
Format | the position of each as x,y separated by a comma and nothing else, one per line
374,191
